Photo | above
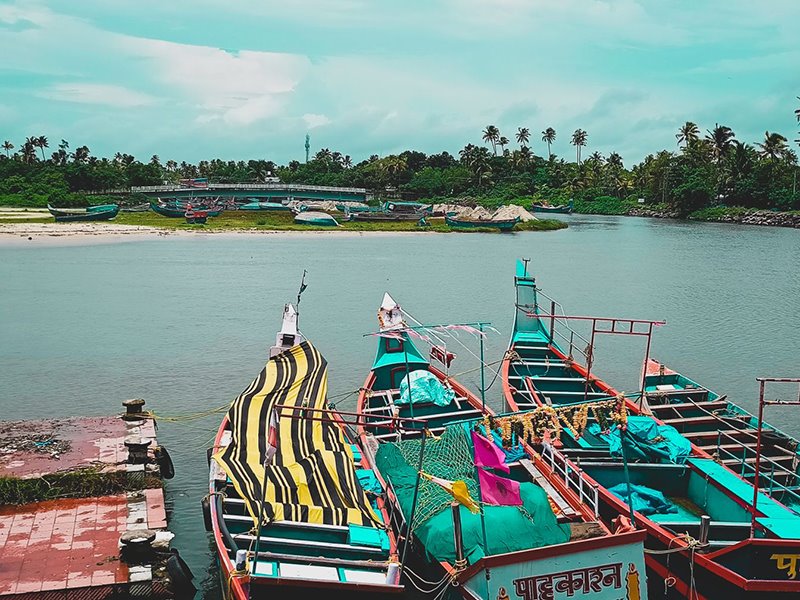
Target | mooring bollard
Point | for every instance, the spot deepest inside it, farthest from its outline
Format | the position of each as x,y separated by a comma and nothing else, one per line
133,409
137,545
137,450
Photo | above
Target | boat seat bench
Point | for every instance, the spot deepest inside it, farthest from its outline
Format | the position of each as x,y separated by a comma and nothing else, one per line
778,519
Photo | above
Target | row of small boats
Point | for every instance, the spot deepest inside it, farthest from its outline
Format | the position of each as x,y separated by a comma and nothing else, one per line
198,212
572,490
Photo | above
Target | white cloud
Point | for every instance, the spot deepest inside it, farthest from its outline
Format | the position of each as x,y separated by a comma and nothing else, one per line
98,93
313,121
239,88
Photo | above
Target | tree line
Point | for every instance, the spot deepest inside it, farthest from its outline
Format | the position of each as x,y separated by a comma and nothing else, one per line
704,169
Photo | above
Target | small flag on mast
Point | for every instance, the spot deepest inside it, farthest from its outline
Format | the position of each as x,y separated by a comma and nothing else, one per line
457,489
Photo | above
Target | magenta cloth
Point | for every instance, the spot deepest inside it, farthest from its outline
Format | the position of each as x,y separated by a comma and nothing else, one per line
487,454
499,490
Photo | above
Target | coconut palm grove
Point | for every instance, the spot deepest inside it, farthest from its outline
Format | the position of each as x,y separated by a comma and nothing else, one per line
708,169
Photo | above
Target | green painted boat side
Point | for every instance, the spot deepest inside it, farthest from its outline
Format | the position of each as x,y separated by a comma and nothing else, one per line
503,225
60,212
265,206
315,218
100,215
175,211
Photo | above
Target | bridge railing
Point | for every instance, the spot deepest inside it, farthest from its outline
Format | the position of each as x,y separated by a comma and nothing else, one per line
289,187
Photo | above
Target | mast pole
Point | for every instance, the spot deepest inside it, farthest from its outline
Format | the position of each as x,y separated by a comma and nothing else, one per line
407,541
483,372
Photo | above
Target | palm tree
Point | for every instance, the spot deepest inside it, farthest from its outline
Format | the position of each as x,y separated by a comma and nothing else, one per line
774,146
502,142
614,161
549,136
171,165
523,136
579,141
491,134
347,162
8,147
721,139
687,134
42,143
597,157
29,150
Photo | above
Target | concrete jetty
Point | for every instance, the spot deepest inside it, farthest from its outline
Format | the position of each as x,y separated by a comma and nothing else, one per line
82,512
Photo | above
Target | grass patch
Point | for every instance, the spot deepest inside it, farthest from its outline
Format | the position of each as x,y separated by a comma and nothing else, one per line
80,483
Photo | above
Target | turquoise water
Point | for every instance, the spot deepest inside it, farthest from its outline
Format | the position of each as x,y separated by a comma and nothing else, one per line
186,322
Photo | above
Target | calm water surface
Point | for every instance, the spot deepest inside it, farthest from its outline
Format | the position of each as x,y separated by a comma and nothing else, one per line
186,323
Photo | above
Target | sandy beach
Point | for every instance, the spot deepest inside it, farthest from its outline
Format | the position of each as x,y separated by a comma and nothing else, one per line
66,234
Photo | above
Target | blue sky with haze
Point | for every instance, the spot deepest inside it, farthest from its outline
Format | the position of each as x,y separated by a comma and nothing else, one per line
239,79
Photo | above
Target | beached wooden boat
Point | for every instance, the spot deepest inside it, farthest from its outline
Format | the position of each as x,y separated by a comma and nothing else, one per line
196,217
104,212
265,206
314,217
406,207
551,540
177,210
703,535
320,532
384,217
501,224
546,208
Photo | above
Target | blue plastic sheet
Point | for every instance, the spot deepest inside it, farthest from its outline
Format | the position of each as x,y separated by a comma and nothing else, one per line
425,388
644,499
648,441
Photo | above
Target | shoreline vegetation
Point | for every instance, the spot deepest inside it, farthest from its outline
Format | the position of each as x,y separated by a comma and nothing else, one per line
716,214
41,223
711,175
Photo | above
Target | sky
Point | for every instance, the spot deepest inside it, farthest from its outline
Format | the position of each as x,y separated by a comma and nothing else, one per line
241,79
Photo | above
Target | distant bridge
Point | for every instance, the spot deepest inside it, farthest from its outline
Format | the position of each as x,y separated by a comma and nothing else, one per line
273,191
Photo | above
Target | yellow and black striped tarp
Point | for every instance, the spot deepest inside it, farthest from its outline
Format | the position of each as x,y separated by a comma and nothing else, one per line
312,478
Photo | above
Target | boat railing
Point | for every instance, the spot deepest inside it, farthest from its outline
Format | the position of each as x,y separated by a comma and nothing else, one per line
573,477
745,469
560,332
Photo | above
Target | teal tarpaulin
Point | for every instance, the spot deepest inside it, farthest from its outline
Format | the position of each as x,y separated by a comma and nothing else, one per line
647,440
644,499
425,388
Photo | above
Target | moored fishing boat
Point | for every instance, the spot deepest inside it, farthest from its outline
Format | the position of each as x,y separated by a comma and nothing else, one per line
313,217
546,208
103,212
705,538
432,441
287,503
501,224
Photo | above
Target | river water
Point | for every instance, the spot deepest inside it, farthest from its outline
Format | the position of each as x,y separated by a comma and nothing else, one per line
186,322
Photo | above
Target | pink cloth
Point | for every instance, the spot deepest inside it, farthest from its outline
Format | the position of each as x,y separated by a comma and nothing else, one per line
498,490
487,454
